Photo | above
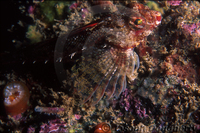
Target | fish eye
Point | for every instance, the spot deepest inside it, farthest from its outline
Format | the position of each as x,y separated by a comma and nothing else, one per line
136,23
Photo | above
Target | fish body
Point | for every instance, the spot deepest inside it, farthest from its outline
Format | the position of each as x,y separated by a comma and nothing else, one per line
104,50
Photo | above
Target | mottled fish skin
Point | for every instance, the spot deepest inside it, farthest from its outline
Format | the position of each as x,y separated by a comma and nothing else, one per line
105,53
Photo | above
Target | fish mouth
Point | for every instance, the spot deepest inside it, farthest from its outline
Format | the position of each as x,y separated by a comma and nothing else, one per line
158,18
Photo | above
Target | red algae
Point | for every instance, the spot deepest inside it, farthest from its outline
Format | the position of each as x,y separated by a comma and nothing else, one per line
173,66
16,97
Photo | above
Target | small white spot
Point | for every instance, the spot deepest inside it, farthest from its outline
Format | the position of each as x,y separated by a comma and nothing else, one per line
59,59
83,48
45,61
72,55
158,22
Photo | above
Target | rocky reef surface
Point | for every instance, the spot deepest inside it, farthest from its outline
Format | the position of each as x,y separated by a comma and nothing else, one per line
164,97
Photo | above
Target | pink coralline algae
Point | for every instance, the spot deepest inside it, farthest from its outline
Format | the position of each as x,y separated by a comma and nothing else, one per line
141,112
17,117
54,126
77,116
133,104
174,2
84,12
197,126
31,10
74,6
31,130
126,100
192,28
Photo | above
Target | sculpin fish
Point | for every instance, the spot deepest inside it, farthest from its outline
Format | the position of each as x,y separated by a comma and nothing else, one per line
104,50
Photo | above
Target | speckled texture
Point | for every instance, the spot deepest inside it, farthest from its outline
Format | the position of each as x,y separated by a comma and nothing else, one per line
163,98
